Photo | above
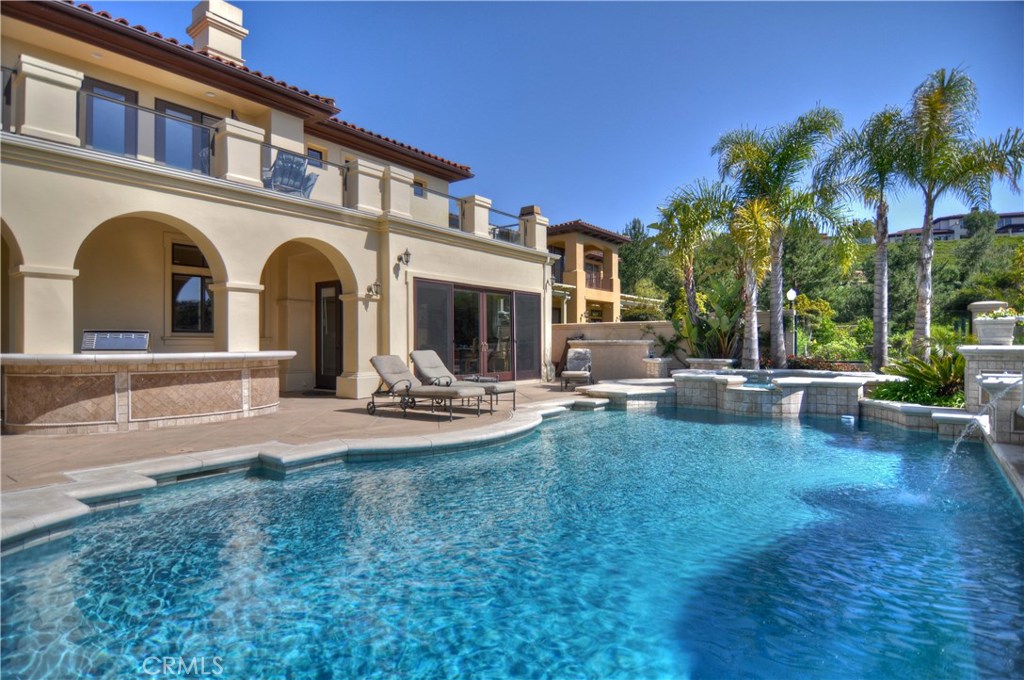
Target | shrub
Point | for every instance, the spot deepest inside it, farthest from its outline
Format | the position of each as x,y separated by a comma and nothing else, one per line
820,364
936,382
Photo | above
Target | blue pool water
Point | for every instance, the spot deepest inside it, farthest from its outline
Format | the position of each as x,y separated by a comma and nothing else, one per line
608,545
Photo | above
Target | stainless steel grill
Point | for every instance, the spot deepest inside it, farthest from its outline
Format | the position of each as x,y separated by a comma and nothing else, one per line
115,341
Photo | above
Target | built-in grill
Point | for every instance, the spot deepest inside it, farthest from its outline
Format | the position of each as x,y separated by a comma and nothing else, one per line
115,341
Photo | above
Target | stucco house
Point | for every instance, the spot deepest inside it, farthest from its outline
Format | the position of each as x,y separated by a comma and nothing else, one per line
257,243
586,273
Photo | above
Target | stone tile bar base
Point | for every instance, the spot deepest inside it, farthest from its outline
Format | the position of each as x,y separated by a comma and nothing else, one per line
88,393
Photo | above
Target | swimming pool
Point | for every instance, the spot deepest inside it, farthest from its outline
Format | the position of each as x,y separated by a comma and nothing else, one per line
664,544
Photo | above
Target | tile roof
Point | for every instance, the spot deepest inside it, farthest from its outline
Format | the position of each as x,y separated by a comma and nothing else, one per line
581,227
395,142
460,170
186,46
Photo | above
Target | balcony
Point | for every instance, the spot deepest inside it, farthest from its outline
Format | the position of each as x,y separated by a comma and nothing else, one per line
597,282
47,101
124,129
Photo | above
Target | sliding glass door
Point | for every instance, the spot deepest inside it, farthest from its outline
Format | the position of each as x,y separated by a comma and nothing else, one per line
479,332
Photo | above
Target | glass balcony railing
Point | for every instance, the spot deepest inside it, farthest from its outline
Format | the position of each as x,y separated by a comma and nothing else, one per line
8,103
125,129
504,227
454,210
288,172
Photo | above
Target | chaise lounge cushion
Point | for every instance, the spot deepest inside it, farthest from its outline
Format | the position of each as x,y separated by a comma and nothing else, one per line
399,379
429,365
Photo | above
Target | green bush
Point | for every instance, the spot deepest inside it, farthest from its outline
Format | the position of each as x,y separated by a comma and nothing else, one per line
936,382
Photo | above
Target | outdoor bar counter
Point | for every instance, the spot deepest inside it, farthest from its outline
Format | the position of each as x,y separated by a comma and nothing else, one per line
83,393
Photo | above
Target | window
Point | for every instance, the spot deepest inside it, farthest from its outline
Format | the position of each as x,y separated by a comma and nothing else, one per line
191,300
593,273
558,268
111,119
316,157
419,189
184,138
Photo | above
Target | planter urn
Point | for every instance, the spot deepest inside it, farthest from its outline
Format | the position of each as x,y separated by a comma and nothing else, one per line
995,331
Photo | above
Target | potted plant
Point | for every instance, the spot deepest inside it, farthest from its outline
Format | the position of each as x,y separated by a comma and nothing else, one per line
996,328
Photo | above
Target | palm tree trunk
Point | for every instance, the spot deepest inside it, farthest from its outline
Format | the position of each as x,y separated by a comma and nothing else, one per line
880,345
751,352
920,344
691,293
775,299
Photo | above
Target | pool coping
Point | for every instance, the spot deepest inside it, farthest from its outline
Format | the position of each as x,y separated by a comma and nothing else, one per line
29,517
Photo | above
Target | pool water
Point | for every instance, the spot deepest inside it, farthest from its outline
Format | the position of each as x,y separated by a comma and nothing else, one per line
659,544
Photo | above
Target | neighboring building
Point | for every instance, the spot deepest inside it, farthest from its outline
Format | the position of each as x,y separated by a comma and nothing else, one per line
586,274
951,228
167,187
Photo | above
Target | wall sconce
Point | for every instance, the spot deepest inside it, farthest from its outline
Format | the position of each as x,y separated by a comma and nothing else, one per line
405,258
373,290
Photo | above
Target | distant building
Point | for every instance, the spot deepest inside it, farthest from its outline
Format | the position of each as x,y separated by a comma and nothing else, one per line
586,274
951,228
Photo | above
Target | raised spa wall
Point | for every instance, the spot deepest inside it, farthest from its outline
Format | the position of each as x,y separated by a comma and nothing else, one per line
89,393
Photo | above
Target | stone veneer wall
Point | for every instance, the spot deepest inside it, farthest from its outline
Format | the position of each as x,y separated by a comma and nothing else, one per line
113,393
786,398
1007,416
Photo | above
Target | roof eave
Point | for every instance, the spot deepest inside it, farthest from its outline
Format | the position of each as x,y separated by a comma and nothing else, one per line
69,20
366,142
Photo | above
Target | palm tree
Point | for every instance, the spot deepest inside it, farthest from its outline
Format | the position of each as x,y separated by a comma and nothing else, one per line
865,164
770,165
752,226
946,158
686,222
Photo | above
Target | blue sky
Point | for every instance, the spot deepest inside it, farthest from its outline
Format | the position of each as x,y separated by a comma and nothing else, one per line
599,110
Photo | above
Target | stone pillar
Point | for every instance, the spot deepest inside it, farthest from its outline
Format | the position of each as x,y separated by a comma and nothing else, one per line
43,301
364,186
236,316
47,99
360,312
237,152
397,192
477,212
535,228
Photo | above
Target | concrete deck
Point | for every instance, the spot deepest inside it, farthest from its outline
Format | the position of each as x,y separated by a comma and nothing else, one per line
29,461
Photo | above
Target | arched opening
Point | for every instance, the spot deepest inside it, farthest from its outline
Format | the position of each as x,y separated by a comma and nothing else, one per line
149,272
302,310
10,303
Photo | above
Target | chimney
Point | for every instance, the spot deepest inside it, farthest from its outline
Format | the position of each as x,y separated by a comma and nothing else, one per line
217,30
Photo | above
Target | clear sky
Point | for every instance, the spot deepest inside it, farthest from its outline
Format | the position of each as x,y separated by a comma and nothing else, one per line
599,110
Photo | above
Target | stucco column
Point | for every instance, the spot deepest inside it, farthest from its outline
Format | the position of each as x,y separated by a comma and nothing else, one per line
47,100
397,192
236,316
43,301
611,273
535,228
477,212
576,275
359,320
237,152
365,186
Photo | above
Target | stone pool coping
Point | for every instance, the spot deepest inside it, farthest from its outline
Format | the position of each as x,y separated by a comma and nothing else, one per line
33,516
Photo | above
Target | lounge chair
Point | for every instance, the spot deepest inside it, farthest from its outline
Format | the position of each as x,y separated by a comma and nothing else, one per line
433,371
577,368
396,381
288,175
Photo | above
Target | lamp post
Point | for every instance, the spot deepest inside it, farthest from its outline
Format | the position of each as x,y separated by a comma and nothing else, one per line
791,296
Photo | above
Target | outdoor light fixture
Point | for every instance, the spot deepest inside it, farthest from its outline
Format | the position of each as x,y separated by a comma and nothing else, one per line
405,258
791,296
373,289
